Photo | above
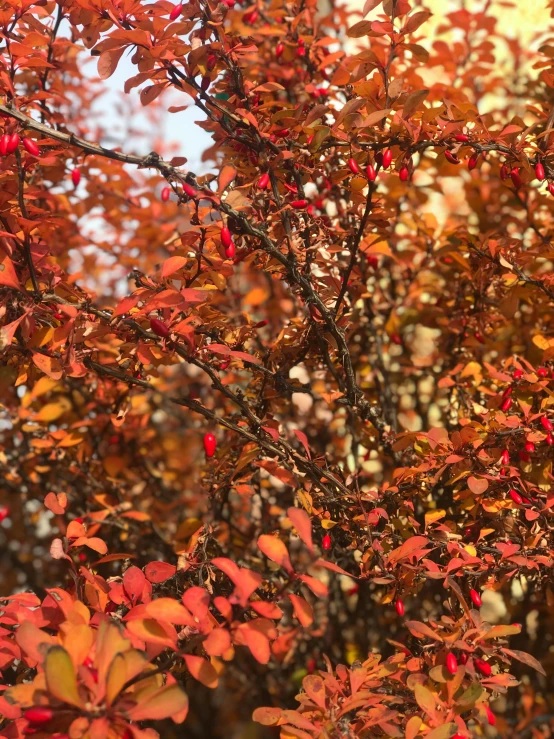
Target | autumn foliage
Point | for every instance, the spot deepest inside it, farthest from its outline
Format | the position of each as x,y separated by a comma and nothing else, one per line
276,437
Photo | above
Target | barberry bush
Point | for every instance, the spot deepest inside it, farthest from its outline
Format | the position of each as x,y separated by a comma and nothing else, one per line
276,436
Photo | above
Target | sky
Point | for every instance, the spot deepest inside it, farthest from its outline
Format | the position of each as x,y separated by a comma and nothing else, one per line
523,19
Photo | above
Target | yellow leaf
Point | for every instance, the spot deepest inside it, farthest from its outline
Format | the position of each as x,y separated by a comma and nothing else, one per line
542,342
189,527
471,550
61,680
305,501
219,280
432,516
52,411
379,247
124,667
326,523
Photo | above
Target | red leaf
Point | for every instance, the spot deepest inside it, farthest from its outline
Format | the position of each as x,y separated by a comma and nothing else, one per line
157,572
133,582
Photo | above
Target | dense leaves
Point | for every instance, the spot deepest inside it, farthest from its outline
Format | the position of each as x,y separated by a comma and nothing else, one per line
277,437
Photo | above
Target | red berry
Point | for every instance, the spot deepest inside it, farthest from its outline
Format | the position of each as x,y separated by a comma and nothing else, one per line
373,261
491,718
13,143
451,157
549,439
451,663
31,147
396,339
506,404
404,174
301,51
463,658
517,374
279,49
39,714
515,177
370,172
189,190
462,137
546,423
75,176
226,238
507,391
387,158
4,144
250,17
505,457
230,251
166,192
282,133
229,3
539,171
472,161
529,446
299,204
176,11
475,598
515,496
4,513
483,667
326,542
399,605
542,372
263,182
353,166
504,172
310,139
159,328
210,445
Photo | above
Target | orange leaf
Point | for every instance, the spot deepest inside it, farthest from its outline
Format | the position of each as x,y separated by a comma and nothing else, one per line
226,176
275,550
165,703
201,670
56,503
8,276
218,642
302,610
303,525
172,265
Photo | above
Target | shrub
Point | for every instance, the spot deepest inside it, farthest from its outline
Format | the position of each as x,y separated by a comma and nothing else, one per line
298,465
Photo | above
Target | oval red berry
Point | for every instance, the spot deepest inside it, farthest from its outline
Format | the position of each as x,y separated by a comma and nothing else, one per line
210,444
475,598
